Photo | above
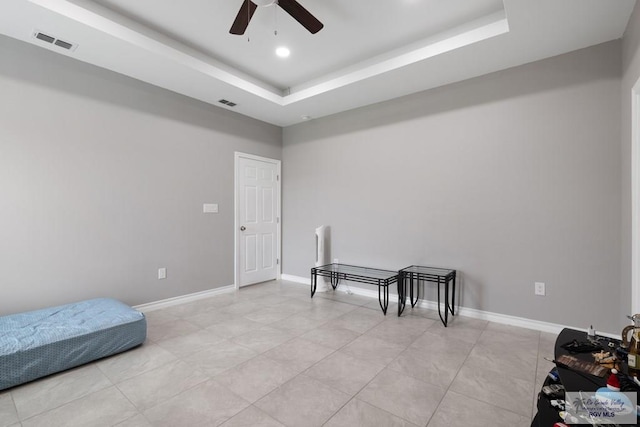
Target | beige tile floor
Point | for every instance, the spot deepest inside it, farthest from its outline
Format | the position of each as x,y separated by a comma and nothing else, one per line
269,355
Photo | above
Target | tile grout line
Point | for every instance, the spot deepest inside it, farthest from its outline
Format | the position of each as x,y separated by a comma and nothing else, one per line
70,402
448,388
481,401
298,374
20,419
15,407
132,404
371,380
360,334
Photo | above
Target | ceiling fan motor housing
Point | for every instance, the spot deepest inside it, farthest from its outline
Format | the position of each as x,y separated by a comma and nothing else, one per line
264,2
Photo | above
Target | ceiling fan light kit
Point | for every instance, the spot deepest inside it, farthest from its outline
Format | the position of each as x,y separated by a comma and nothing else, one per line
283,52
292,7
263,3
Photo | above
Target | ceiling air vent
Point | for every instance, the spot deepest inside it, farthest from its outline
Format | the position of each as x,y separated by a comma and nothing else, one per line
63,44
45,38
227,103
54,40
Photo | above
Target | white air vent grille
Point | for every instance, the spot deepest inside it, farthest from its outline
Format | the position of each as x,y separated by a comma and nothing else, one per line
63,44
227,103
54,40
45,38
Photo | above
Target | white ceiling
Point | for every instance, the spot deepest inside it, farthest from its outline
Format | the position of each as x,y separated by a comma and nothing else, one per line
368,51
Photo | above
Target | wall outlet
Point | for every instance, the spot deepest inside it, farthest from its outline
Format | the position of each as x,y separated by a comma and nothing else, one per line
539,288
336,261
162,273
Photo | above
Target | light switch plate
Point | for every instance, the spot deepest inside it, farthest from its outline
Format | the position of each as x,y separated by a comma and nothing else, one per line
162,273
210,208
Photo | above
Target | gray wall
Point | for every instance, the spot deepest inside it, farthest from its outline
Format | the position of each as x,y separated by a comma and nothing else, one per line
511,178
102,180
630,75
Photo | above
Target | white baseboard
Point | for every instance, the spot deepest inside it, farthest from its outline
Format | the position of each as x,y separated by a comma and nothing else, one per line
296,279
156,305
504,319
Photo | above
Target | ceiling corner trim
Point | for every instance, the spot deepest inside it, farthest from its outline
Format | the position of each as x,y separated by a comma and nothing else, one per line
191,60
487,27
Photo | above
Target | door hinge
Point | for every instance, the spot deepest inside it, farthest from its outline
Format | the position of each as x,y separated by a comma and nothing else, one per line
277,177
277,220
277,260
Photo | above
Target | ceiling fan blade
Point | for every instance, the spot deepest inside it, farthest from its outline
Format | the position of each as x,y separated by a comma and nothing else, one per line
244,16
302,15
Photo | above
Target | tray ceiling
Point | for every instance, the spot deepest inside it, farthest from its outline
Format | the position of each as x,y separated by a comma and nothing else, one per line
368,51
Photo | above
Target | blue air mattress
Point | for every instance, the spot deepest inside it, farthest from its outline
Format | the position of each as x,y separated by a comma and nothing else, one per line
50,340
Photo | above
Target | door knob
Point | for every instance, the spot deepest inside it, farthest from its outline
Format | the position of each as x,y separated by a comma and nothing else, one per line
243,228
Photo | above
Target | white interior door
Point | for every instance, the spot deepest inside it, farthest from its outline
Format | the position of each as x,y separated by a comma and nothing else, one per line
257,219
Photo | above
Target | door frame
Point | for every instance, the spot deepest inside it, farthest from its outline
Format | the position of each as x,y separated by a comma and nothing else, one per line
236,226
635,198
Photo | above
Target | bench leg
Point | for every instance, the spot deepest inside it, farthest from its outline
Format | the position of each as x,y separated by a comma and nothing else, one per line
453,295
335,280
314,281
411,279
446,303
402,298
383,297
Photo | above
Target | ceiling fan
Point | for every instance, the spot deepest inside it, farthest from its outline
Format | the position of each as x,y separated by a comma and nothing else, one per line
292,7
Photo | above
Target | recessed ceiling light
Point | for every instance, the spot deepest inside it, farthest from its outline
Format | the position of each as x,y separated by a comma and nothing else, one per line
306,117
283,52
